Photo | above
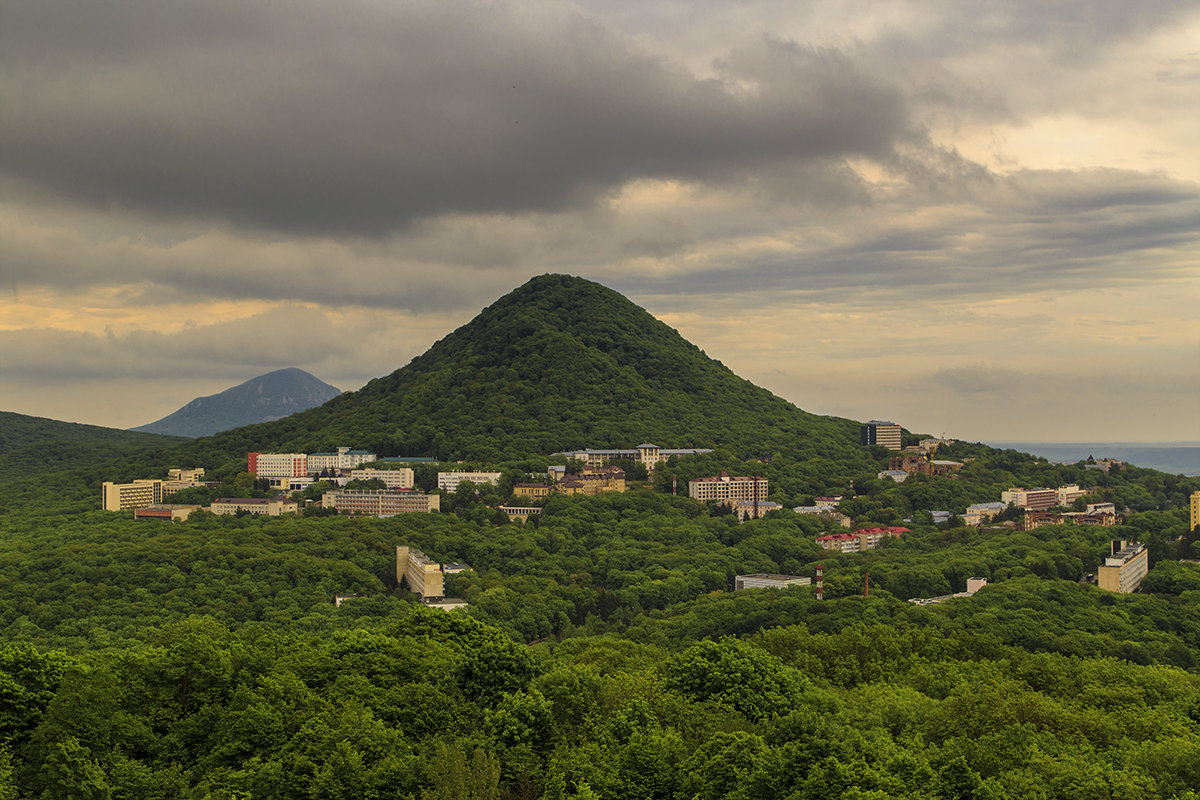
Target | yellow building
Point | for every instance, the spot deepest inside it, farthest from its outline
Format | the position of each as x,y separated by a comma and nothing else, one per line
423,575
1195,511
1124,569
124,496
537,491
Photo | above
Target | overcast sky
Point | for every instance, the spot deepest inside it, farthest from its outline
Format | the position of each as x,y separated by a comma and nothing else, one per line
975,218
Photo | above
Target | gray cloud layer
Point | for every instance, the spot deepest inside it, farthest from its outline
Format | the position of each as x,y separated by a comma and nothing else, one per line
360,117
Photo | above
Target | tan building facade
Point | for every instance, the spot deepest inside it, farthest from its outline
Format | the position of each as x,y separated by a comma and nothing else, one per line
424,576
392,478
725,489
258,506
126,496
449,481
380,502
1124,569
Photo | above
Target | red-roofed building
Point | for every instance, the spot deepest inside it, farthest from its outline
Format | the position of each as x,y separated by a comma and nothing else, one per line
859,540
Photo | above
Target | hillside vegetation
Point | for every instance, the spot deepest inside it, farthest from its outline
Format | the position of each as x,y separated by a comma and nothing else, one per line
604,654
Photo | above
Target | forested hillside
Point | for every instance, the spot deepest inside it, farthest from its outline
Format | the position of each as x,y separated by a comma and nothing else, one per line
603,653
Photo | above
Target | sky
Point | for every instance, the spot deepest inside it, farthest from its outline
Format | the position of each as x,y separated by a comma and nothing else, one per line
974,218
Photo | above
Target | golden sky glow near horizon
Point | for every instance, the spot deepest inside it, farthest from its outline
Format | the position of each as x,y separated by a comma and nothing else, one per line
971,218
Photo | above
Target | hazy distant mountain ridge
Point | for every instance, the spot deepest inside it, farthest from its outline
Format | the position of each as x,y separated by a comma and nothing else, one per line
263,399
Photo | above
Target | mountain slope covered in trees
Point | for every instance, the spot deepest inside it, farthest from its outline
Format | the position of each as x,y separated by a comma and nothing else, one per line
559,363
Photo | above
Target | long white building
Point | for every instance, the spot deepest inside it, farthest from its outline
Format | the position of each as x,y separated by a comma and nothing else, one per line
449,481
649,454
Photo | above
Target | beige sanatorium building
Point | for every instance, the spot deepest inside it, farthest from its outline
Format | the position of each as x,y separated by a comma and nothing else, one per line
424,576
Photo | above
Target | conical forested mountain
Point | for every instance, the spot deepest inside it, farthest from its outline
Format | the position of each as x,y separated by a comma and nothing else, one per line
559,363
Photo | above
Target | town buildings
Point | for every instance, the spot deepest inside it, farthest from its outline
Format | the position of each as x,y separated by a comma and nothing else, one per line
380,502
423,576
725,489
449,481
881,432
1125,567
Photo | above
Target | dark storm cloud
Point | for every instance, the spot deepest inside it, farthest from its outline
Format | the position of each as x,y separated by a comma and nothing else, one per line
360,117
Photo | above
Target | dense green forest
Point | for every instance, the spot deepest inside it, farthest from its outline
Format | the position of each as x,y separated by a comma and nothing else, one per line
603,653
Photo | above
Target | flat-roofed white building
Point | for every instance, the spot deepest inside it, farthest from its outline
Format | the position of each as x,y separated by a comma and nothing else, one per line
765,580
449,481
392,478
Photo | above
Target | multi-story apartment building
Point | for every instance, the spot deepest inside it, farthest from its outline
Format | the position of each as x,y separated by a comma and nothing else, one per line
392,478
277,465
424,576
649,454
859,540
1124,569
1036,519
725,489
259,506
343,459
380,502
881,432
1030,499
593,481
449,481
125,496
